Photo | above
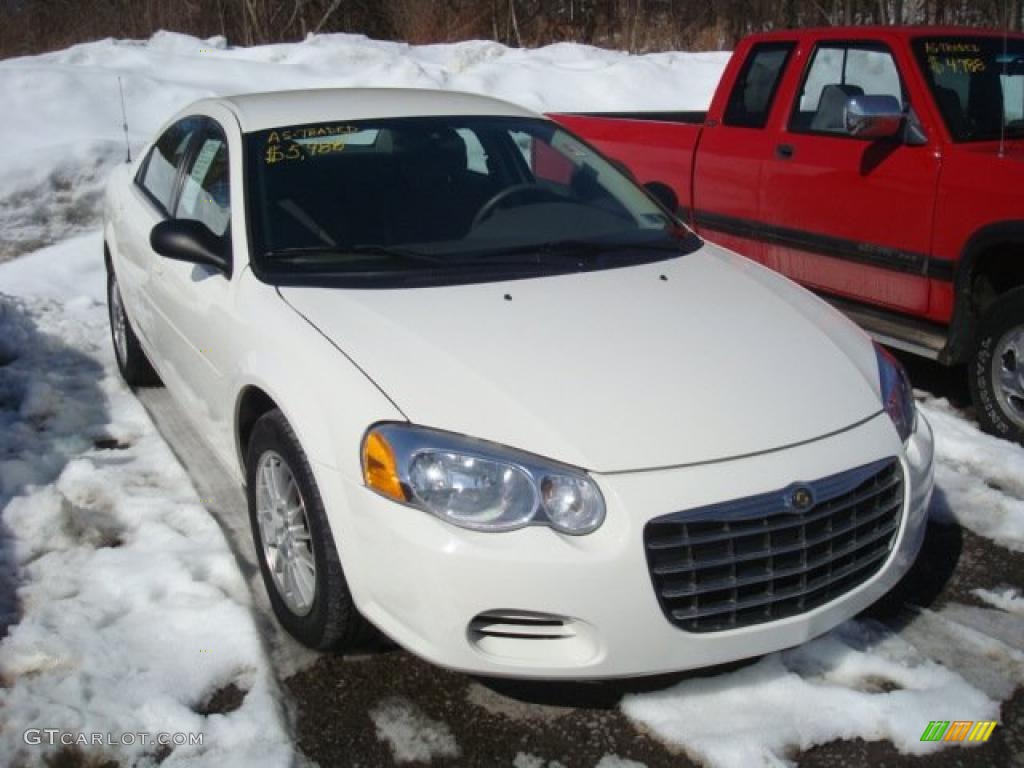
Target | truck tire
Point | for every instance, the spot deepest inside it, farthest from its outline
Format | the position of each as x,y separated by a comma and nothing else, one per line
135,368
298,560
996,370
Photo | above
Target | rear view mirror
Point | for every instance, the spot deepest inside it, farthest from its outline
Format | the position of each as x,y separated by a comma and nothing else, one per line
873,117
192,242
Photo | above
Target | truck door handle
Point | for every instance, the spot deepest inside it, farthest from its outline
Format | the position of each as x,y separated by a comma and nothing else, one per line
784,151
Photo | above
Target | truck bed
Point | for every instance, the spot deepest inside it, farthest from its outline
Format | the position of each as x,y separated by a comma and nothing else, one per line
656,146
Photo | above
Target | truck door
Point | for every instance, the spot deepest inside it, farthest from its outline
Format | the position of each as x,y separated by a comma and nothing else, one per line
843,215
731,153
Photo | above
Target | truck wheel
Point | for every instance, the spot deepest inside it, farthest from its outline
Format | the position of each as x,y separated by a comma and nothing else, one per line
131,360
294,546
996,372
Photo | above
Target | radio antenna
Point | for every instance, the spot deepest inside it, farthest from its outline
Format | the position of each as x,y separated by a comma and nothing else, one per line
124,123
1006,36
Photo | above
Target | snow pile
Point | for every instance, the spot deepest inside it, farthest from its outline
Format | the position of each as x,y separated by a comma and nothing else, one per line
980,477
62,112
412,736
859,681
131,613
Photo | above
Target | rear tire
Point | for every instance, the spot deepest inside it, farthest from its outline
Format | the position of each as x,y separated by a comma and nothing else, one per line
135,368
996,371
294,545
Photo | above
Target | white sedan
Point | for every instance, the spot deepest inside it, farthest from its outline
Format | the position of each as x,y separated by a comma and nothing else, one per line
487,394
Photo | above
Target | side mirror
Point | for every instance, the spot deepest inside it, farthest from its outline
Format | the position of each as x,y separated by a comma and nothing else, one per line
874,117
192,242
664,194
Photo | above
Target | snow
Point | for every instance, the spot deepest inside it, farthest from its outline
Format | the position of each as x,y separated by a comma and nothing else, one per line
131,611
614,761
981,477
527,760
859,681
412,736
1008,599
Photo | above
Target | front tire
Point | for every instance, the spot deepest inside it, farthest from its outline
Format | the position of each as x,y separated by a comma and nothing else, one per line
298,560
131,360
996,371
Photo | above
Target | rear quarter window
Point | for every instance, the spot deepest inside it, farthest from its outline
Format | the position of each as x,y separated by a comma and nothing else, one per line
752,96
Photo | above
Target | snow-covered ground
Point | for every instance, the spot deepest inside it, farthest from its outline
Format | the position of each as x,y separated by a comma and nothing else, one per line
130,612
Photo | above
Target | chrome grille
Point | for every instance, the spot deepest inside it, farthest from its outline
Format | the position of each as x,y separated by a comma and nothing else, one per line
760,559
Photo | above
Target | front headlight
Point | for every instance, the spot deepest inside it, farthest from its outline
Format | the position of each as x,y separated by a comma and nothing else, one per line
897,394
476,484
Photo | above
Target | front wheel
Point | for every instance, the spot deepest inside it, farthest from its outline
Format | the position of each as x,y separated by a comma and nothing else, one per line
131,360
996,371
298,560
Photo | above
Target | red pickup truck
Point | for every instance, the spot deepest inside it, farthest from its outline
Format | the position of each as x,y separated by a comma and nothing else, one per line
880,167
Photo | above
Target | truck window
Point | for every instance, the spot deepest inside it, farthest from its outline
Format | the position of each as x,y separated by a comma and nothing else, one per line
978,84
838,71
752,95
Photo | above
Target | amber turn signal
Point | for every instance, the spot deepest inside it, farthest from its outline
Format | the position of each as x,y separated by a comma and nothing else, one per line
379,469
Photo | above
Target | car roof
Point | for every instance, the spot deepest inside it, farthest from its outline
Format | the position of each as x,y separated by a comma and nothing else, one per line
262,111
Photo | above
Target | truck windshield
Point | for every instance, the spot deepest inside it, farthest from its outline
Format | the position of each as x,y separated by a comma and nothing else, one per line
444,199
978,84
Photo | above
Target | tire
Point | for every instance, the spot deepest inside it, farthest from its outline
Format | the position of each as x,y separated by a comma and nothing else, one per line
323,617
996,370
135,368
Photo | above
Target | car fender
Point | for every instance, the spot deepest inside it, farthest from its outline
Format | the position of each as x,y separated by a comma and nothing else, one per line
327,399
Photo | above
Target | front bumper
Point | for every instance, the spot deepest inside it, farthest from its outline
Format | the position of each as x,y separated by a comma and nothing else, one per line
487,603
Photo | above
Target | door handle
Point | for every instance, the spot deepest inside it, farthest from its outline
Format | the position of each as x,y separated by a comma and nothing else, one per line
784,151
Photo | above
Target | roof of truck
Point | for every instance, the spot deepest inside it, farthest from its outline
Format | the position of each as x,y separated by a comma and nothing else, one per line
262,111
903,31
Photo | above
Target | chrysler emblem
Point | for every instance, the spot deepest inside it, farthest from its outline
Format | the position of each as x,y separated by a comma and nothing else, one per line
801,498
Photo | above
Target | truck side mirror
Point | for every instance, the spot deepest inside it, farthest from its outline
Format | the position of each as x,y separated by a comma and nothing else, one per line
873,117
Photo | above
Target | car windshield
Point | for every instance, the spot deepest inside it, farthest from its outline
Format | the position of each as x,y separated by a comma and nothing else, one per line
978,84
444,199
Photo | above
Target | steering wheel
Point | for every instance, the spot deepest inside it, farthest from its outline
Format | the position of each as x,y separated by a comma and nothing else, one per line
502,198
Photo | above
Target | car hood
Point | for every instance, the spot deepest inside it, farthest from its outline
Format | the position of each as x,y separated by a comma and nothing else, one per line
700,358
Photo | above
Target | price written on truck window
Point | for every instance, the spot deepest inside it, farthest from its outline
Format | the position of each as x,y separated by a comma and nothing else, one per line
956,65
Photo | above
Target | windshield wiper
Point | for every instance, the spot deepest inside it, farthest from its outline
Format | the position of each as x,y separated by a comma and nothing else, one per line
402,254
579,249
